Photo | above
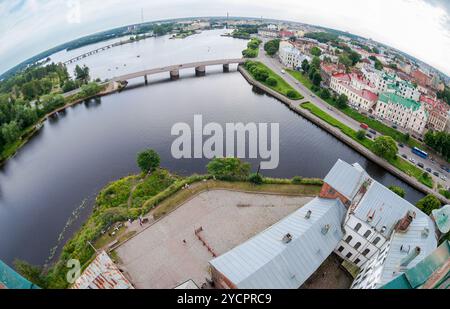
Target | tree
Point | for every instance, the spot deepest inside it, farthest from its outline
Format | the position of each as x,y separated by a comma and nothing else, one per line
398,190
148,160
30,272
271,81
292,94
315,51
261,74
228,168
255,178
315,63
361,134
342,101
69,85
345,60
305,66
354,57
10,132
317,79
271,47
385,147
325,94
428,204
82,73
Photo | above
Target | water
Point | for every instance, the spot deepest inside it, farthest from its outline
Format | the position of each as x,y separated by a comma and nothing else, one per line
94,143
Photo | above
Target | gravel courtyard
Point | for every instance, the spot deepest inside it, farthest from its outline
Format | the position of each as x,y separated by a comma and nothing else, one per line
168,252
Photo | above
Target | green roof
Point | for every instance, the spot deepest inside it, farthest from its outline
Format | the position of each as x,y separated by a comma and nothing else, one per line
389,97
418,275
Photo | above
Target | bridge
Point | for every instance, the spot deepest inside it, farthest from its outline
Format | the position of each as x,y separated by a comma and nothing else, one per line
92,52
174,70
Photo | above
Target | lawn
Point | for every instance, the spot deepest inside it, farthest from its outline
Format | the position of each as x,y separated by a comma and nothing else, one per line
372,123
399,163
281,87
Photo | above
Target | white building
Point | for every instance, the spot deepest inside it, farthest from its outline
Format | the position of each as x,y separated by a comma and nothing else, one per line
268,33
383,234
405,113
290,56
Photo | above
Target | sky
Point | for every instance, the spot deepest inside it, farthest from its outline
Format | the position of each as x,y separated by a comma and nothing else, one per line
420,28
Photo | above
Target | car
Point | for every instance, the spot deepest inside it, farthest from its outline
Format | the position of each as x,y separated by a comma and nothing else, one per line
436,174
313,96
297,82
420,164
373,132
428,170
412,160
444,178
394,126
283,71
404,156
368,135
329,108
401,145
373,117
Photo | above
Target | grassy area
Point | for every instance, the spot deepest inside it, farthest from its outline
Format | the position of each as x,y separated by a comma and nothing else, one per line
281,85
399,163
372,123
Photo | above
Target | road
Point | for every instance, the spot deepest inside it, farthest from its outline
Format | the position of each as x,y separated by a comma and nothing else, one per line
274,64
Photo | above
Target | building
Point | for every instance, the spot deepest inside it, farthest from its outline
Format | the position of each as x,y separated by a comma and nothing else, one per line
421,78
354,216
268,33
328,69
290,56
285,254
10,279
102,273
405,89
406,113
431,273
356,89
384,234
286,34
437,113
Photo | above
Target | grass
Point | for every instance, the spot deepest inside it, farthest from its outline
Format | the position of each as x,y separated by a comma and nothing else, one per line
399,163
281,87
372,123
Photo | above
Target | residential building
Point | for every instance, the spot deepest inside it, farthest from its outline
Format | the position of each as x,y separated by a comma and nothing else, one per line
268,33
406,113
356,89
405,89
421,78
286,34
438,112
384,234
328,69
290,56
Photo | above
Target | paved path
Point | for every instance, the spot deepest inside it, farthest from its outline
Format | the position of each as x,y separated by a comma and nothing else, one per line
274,64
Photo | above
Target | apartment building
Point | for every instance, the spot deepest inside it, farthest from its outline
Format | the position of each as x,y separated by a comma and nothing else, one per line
290,56
438,113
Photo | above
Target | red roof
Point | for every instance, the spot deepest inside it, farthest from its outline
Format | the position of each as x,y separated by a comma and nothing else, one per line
285,33
342,76
432,104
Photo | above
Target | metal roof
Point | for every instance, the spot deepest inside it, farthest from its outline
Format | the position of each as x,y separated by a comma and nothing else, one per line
441,217
266,261
102,273
345,178
10,279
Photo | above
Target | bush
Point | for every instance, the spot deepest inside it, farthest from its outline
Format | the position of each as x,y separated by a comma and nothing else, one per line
228,168
148,160
297,180
361,134
398,190
292,94
428,204
255,178
271,81
260,74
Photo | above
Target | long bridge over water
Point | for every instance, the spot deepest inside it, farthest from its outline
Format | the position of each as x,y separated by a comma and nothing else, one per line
174,70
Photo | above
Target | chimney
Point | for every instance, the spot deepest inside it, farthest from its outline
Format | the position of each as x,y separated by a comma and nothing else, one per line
287,238
403,224
308,214
411,256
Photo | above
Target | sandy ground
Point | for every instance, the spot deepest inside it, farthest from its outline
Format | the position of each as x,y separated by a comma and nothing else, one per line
159,258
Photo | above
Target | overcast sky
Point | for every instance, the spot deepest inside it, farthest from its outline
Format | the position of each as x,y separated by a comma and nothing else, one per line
418,27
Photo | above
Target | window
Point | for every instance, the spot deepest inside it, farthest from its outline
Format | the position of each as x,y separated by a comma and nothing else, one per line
349,255
357,261
341,249
357,245
376,240
357,227
367,233
348,239
366,252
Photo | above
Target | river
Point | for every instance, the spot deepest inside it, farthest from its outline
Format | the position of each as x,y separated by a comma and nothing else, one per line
94,143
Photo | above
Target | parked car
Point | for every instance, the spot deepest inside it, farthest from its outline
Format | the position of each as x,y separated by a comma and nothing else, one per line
371,116
444,178
428,170
436,174
401,145
394,126
369,135
283,71
373,132
404,156
420,164
364,126
412,160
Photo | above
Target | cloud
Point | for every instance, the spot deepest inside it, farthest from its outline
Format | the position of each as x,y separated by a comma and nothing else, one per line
444,5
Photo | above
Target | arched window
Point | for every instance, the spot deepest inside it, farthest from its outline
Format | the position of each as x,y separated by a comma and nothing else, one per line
357,227
367,233
348,239
366,252
357,245
376,240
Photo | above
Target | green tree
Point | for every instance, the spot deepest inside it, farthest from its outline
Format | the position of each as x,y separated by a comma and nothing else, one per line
342,101
428,203
228,168
315,51
305,66
271,81
31,273
325,94
261,74
361,134
398,190
385,147
317,79
271,47
345,60
354,57
255,178
292,94
10,132
148,160
82,73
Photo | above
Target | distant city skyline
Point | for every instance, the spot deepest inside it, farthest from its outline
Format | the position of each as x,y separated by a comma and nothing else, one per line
420,28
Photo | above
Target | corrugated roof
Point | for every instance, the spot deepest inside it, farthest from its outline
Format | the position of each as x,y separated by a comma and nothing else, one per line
442,218
102,273
345,178
392,98
10,279
265,261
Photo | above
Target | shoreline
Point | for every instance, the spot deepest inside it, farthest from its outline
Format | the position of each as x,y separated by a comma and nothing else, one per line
292,105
